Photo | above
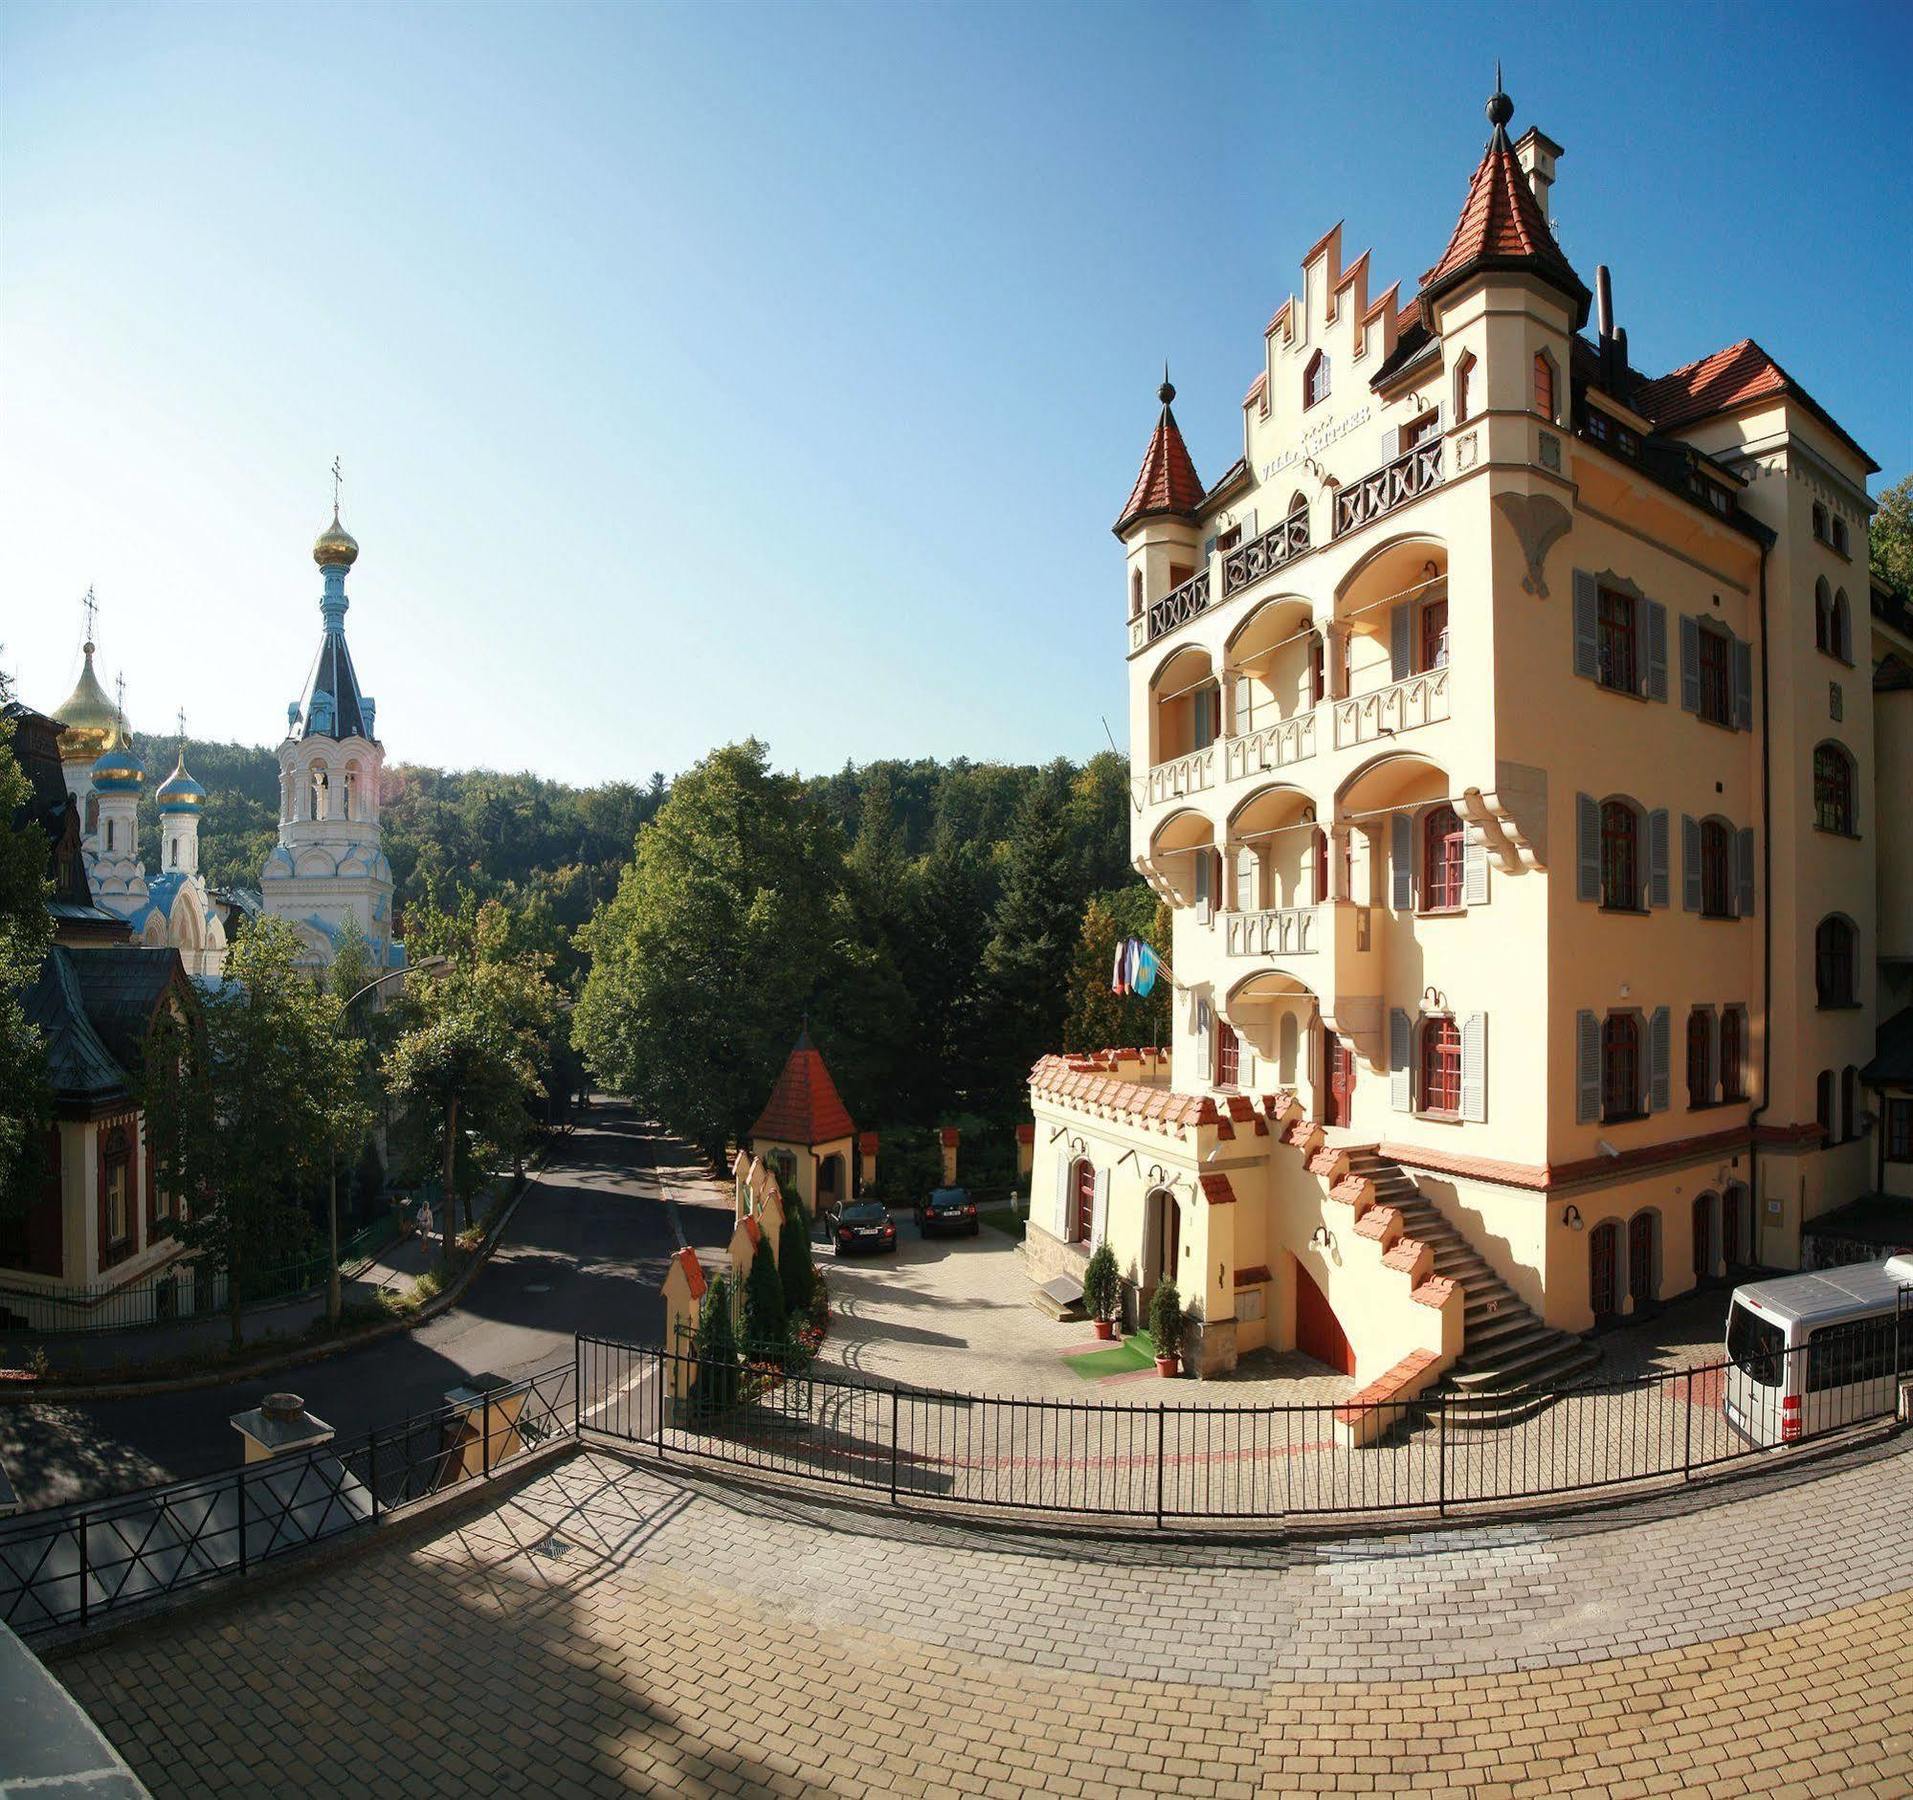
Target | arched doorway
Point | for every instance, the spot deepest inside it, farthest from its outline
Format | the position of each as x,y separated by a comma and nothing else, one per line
1736,1234
1604,1271
1318,1332
830,1183
1706,1237
1643,1286
1165,1238
1082,1212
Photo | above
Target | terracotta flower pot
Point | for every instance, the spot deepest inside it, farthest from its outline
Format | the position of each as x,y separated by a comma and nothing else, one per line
1166,1366
1105,1328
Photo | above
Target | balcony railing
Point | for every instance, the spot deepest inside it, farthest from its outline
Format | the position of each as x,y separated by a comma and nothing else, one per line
1273,747
1401,706
1179,605
1394,484
1263,555
1281,931
1180,777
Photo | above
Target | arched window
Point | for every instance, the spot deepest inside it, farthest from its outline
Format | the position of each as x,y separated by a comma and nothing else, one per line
109,834
1706,1236
1464,384
1842,636
1620,857
1620,1068
318,789
1082,1217
1736,1227
172,854
1544,384
92,814
349,793
1833,961
1700,1058
1441,859
1318,668
1618,645
1441,1066
1833,788
1315,380
1604,1269
1849,1102
1135,594
1732,1054
1820,522
1823,616
1839,534
1716,865
1823,1104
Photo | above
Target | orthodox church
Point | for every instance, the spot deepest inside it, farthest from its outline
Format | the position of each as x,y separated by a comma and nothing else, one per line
174,907
327,874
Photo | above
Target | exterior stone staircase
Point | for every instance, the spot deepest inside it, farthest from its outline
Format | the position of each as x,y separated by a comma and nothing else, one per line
1506,1350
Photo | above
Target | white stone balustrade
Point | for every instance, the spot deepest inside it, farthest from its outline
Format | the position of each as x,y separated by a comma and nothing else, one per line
1383,712
1280,931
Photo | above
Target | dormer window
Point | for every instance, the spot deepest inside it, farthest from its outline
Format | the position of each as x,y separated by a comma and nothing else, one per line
1315,380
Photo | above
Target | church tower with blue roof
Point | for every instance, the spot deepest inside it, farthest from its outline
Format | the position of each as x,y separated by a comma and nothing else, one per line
327,873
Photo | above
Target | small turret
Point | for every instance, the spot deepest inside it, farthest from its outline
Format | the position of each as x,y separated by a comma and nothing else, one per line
180,800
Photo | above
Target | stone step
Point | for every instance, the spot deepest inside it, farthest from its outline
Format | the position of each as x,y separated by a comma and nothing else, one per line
1543,1363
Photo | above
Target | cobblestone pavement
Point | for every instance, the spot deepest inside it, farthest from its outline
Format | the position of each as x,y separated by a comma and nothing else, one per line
610,1629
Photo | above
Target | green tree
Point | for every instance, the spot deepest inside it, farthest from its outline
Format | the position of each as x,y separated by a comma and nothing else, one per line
244,1102
714,1345
25,932
795,1267
765,1322
473,1048
1097,1017
1890,539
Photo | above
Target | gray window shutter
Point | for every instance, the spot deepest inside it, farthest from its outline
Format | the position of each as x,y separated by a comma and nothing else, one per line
1205,718
1059,1219
1205,893
1391,442
1657,857
1587,658
1208,547
1587,1068
1474,1067
1400,1054
1655,617
1099,1210
1743,685
1690,663
1401,624
1744,873
1690,863
1587,845
1401,863
1660,1033
1474,873
1713,1052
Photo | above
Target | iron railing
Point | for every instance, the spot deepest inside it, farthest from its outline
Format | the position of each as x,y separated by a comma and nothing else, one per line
73,1565
1168,1462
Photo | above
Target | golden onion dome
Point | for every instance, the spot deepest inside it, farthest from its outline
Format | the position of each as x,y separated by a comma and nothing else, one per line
179,792
90,724
336,547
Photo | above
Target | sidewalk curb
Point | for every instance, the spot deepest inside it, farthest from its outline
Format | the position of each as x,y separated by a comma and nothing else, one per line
25,1393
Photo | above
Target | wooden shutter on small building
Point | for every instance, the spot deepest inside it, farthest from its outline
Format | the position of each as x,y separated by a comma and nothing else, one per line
1587,1068
1587,643
1099,1210
1660,1050
1690,663
1474,1067
1401,1040
1744,873
1474,872
1654,618
1587,847
1401,863
1657,883
1690,863
1059,1217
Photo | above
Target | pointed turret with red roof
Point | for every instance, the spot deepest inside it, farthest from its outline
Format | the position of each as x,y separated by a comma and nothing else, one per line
1167,485
805,1114
1502,227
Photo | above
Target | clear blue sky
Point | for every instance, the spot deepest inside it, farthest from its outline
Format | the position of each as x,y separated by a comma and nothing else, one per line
710,370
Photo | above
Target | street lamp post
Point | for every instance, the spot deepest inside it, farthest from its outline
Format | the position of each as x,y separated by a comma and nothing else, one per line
333,1295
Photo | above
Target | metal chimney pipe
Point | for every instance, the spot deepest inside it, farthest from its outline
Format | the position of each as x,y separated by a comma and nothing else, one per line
1604,302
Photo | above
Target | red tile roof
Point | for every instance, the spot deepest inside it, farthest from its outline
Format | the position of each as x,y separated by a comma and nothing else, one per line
693,1271
1502,227
1215,1188
804,1107
1167,482
1738,376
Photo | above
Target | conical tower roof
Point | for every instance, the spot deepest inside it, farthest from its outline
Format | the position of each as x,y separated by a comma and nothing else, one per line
804,1107
1168,483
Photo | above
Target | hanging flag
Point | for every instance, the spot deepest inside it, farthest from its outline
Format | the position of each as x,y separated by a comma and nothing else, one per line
1131,963
1147,963
1117,974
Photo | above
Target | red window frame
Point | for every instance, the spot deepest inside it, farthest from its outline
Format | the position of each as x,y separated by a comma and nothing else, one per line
1833,962
1228,1055
1441,1066
1420,430
1543,385
1832,789
1318,669
1618,642
1716,678
1731,1066
1620,857
1620,1068
1442,853
1700,1047
1083,1213
1434,636
1716,883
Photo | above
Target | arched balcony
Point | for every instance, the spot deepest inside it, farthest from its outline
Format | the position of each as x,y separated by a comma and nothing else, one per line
1183,861
1274,1012
1388,649
1276,865
1275,674
1185,722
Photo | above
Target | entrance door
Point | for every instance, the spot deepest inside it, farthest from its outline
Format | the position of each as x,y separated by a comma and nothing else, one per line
1085,1220
1318,1333
1733,1246
1168,1236
1706,1251
1604,1269
1339,1107
1640,1260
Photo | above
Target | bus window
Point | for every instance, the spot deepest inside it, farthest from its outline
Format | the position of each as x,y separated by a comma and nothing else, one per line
1854,1350
1755,1345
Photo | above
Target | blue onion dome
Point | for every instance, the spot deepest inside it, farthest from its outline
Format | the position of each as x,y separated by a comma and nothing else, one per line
336,547
179,792
118,771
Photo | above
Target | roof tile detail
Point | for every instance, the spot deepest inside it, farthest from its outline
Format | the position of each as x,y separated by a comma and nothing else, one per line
1502,226
1737,376
1216,1189
804,1107
1167,482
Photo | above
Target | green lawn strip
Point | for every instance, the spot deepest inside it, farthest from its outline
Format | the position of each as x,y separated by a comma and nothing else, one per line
1005,1219
1138,1352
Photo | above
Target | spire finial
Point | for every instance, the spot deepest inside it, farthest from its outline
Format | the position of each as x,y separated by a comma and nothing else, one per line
1500,107
181,721
338,475
119,697
91,608
1166,392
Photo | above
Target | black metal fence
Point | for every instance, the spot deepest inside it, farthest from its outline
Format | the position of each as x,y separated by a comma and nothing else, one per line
1181,1463
73,1565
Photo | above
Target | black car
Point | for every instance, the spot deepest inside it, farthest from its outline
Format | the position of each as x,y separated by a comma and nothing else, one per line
947,1209
862,1225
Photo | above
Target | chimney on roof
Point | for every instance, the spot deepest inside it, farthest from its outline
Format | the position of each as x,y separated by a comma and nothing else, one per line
1536,153
1613,341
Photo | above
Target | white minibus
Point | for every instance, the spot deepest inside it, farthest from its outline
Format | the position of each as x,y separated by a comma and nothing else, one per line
1809,1353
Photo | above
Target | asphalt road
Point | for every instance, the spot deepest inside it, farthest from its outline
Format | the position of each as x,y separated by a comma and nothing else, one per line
585,1251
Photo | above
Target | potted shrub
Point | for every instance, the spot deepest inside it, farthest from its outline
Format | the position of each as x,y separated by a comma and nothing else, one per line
1102,1289
1167,1324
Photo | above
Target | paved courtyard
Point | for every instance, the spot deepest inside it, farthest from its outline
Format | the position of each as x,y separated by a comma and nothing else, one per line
610,1629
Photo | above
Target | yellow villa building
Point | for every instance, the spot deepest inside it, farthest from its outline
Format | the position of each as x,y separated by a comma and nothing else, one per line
1506,739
